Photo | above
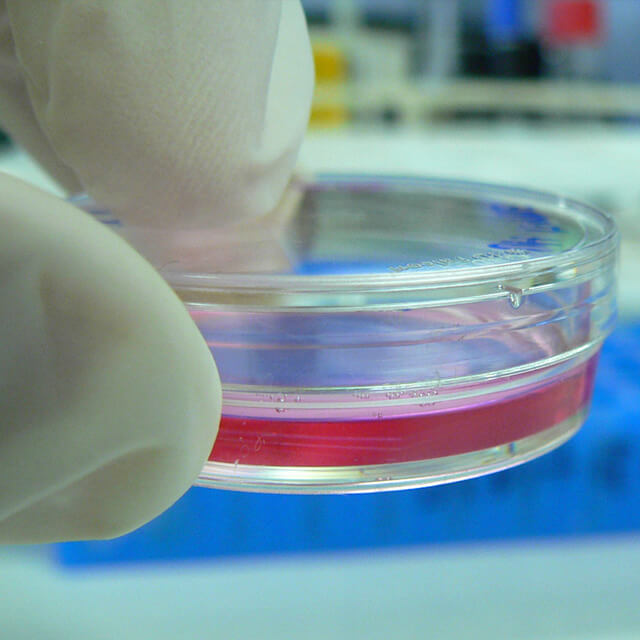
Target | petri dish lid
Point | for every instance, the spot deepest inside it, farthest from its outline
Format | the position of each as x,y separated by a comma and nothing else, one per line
367,242
380,332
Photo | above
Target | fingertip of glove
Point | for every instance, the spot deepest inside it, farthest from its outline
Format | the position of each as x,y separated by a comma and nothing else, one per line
116,411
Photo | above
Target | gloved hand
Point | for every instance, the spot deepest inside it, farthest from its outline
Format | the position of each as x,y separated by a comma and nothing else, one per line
176,113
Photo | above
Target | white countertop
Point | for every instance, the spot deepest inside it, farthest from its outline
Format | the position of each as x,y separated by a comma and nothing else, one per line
586,590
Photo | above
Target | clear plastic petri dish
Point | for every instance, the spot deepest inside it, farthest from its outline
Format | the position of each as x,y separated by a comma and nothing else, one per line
385,332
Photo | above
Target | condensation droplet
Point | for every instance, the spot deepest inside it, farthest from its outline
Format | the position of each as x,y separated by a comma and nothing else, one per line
515,298
515,295
280,398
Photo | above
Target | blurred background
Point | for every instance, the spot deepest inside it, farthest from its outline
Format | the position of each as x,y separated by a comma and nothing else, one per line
542,94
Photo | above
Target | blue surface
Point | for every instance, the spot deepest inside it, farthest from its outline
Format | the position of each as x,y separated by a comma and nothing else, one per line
589,486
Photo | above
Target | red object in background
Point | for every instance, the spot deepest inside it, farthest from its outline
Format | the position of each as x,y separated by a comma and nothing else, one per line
570,22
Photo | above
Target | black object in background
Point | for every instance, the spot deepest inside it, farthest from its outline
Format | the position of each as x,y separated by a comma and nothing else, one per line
480,57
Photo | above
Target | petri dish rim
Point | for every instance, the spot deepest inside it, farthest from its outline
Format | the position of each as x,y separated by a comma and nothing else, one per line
398,289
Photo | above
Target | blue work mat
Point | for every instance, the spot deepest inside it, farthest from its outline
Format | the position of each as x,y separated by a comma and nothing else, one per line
589,486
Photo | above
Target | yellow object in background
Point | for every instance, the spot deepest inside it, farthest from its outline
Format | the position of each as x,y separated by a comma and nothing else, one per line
329,107
328,115
330,62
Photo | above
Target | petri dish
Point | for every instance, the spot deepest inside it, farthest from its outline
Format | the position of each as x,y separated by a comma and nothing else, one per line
384,332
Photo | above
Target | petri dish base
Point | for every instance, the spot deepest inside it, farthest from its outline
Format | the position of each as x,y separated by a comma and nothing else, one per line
423,444
387,477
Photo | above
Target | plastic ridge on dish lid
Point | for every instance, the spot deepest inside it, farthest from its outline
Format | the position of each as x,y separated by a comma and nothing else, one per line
392,332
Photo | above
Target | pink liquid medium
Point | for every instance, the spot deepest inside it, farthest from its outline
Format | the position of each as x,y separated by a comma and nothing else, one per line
433,434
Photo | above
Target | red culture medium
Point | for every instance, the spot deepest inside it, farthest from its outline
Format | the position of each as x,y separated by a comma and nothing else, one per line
433,434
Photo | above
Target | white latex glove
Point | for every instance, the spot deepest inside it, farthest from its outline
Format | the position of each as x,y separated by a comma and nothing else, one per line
186,113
